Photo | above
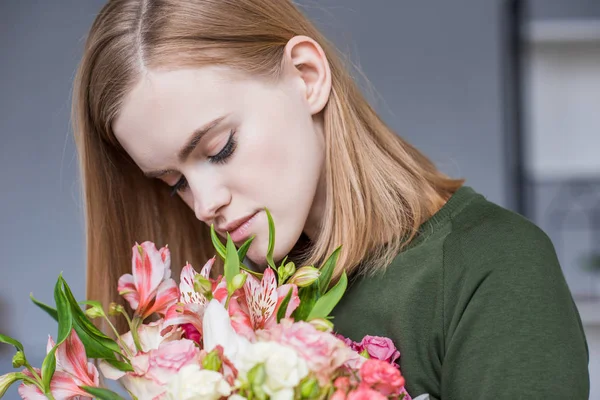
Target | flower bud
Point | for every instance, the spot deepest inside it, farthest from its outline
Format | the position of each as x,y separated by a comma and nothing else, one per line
309,389
305,276
203,286
238,281
18,359
322,324
94,312
212,361
115,309
285,271
7,380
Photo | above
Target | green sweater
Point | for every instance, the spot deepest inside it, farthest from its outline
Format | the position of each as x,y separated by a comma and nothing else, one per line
478,308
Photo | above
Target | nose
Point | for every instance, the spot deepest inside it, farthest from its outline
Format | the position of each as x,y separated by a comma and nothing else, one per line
209,198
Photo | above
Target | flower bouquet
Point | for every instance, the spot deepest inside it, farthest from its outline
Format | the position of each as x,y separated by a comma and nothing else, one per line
243,335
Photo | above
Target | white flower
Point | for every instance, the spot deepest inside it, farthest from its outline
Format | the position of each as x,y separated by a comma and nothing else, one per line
283,394
237,397
284,369
217,330
193,383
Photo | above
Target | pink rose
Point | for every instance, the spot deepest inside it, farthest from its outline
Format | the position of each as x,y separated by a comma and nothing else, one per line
358,347
381,348
365,393
382,376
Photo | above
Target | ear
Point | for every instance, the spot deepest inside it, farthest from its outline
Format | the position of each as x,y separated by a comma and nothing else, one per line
309,62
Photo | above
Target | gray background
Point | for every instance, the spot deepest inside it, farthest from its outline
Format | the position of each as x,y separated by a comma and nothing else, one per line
435,66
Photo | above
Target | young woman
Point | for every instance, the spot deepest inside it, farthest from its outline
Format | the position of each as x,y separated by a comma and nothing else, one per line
196,112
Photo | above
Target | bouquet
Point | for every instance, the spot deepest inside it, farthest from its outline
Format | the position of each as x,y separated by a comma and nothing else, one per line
243,335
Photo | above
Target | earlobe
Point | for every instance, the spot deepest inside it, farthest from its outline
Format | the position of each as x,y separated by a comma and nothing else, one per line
311,65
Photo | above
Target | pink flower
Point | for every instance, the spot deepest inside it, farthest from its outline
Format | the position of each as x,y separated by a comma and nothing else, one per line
190,332
338,395
382,376
72,371
365,393
191,306
351,343
150,289
161,358
323,352
264,299
380,348
169,358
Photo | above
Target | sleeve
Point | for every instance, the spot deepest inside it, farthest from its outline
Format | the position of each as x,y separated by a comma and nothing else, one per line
512,330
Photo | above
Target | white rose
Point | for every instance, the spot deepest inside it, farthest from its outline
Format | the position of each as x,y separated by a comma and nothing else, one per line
284,369
193,383
283,394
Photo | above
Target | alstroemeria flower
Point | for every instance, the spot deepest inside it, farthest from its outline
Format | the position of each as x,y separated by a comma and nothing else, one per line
191,305
150,289
264,298
217,330
72,371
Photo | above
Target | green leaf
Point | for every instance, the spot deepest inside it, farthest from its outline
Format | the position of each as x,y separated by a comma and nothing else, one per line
217,242
65,323
329,300
97,344
101,394
271,247
244,249
48,368
284,305
9,340
65,319
232,262
308,297
51,311
327,270
121,366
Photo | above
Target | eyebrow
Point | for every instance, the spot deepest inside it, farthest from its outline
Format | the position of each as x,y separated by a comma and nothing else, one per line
189,146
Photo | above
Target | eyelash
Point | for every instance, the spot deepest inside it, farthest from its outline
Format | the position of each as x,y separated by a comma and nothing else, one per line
220,158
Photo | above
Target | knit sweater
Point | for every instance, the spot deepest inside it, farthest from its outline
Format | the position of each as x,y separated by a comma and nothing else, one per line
478,307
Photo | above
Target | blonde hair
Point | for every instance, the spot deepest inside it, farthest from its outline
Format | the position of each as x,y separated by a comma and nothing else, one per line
379,188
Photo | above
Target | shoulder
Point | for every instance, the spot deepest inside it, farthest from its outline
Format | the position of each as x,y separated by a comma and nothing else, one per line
487,236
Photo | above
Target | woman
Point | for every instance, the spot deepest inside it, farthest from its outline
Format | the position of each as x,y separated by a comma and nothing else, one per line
192,113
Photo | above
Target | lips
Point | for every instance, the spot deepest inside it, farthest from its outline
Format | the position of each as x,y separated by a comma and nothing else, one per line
239,228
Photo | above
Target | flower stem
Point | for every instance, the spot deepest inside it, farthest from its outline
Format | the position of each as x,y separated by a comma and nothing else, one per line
123,346
135,334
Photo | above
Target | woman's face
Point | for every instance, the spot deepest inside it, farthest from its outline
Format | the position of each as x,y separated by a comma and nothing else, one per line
231,146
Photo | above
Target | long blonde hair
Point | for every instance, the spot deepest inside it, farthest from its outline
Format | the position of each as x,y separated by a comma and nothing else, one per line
379,188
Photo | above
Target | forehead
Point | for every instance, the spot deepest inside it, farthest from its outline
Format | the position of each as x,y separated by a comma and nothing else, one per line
164,107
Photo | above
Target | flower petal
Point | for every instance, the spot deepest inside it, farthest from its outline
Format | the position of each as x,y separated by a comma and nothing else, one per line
167,294
148,270
205,272
63,386
71,358
127,289
217,330
282,292
30,392
179,314
261,297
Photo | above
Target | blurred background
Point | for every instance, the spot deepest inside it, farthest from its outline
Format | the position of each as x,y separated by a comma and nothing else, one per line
503,93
